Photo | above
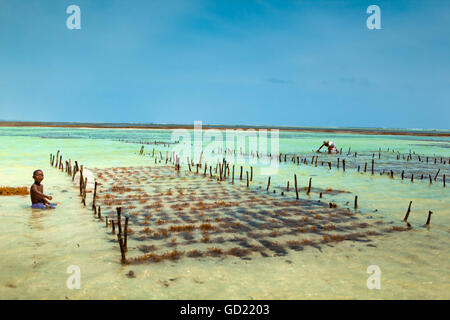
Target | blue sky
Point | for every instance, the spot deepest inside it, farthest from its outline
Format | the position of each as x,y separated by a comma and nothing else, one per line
257,62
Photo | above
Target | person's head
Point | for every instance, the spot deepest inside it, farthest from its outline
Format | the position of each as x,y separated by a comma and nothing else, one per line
325,142
38,175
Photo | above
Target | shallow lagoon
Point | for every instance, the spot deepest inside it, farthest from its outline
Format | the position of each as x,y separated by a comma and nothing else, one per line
37,247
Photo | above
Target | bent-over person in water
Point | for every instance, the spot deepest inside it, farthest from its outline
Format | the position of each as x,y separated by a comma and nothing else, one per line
330,145
38,199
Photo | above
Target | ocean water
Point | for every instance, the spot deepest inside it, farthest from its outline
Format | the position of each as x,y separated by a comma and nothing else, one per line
37,247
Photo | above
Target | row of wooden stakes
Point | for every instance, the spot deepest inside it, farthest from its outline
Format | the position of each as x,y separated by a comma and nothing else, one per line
56,161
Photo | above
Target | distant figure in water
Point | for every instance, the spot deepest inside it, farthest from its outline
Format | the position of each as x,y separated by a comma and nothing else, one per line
38,199
330,145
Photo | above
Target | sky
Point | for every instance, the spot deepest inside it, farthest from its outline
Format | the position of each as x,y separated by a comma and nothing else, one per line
249,62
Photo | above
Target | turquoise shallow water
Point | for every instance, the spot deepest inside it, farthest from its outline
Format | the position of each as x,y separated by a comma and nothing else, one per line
37,247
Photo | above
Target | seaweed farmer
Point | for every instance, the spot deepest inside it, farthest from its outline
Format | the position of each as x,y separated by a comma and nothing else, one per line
330,145
38,199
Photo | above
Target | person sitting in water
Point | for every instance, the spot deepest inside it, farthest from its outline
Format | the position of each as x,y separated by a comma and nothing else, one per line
38,199
330,145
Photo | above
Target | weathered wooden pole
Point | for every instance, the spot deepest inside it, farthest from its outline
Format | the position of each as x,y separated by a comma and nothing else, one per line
372,165
232,177
437,173
296,189
356,202
251,173
287,187
119,219
240,176
309,186
429,218
95,194
99,211
122,249
57,157
247,177
75,170
268,184
343,165
407,212
81,181
84,191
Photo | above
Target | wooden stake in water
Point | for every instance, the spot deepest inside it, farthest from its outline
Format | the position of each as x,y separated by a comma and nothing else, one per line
437,173
247,177
296,189
95,194
356,202
57,157
84,191
122,249
268,184
119,218
309,186
407,212
232,178
429,218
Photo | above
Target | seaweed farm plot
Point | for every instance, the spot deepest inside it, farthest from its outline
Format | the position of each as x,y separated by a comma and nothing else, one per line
410,166
158,213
